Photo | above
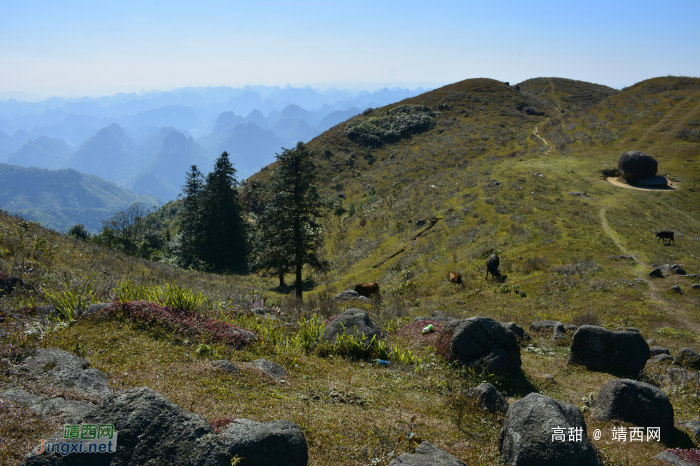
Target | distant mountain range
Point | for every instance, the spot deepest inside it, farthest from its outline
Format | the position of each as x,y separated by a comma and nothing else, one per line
146,142
59,199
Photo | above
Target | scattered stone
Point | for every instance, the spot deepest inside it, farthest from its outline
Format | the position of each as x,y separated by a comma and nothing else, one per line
70,410
669,458
517,329
695,286
679,271
559,333
277,443
93,309
693,426
526,437
544,325
601,350
688,358
639,403
427,454
488,398
661,359
677,376
657,180
225,365
634,165
676,289
656,273
651,342
352,322
549,378
350,294
65,370
483,343
277,372
577,193
623,256
654,350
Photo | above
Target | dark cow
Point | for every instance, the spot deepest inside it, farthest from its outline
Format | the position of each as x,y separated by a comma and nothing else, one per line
455,278
665,235
367,289
492,266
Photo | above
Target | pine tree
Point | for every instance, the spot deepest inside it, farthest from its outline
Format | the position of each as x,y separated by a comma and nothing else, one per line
222,226
190,231
289,234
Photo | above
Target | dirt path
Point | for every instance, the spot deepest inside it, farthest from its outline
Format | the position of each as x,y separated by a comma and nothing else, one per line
672,121
536,133
655,287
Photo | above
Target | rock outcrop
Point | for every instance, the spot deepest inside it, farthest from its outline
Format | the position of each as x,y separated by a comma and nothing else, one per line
601,350
483,343
352,322
634,165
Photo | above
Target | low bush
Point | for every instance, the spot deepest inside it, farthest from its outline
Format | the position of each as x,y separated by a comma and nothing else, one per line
399,122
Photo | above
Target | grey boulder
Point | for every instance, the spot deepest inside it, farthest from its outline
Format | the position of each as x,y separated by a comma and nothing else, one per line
352,322
601,350
65,370
427,454
654,350
350,294
93,309
661,359
517,329
488,398
276,443
526,437
635,402
151,430
274,370
634,165
558,329
656,273
483,343
70,410
225,365
693,426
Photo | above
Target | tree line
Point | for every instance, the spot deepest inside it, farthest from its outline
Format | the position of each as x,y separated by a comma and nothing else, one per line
271,227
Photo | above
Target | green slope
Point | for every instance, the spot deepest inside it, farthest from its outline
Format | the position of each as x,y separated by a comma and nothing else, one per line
59,199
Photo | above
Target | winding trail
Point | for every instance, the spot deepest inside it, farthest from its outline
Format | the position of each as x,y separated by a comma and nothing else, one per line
536,133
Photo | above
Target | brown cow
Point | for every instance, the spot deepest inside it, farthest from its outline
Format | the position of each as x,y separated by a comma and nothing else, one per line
455,278
367,289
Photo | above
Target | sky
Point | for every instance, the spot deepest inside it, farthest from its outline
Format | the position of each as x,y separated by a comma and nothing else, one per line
94,48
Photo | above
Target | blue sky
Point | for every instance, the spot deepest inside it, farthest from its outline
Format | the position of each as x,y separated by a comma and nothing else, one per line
75,48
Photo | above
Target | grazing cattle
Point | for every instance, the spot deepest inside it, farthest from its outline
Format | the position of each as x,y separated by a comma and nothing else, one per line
665,235
455,278
492,266
367,289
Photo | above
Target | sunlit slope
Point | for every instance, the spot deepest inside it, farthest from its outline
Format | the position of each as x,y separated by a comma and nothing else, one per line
491,187
566,95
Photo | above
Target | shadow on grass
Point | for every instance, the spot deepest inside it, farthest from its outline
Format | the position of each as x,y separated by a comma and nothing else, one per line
517,386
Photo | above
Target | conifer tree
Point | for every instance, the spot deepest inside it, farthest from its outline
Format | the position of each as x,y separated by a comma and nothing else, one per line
222,227
190,234
289,234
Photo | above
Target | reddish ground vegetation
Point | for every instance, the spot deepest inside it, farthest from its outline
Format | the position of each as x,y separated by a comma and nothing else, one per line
692,456
220,423
188,323
331,319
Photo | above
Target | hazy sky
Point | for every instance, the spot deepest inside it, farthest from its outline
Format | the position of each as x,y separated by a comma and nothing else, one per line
98,47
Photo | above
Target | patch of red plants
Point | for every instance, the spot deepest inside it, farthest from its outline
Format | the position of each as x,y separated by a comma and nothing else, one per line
189,323
331,319
219,424
692,456
440,338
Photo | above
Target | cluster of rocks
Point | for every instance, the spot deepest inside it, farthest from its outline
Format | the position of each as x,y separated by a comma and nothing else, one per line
559,330
661,271
151,428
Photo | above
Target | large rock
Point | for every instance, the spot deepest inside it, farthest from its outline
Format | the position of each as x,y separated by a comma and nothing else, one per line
601,350
153,430
634,165
488,398
654,350
483,343
427,454
70,410
657,180
352,322
277,443
65,370
517,329
639,403
558,329
693,426
526,437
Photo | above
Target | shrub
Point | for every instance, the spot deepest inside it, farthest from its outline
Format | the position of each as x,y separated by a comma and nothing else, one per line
689,134
399,122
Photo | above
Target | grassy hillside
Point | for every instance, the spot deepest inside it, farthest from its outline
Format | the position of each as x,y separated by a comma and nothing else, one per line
566,95
59,199
470,160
